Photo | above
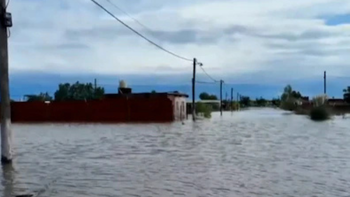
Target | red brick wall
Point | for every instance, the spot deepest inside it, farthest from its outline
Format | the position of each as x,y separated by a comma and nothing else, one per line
157,109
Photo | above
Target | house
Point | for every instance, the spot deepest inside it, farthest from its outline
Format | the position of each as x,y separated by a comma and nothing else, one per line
177,101
336,102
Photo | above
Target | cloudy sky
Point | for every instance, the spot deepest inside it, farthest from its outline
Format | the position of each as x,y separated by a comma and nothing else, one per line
240,41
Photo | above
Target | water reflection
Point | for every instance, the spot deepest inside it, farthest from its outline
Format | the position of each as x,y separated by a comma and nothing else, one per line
246,154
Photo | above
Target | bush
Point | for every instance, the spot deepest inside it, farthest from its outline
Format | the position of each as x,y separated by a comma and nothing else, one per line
319,113
205,109
301,111
288,105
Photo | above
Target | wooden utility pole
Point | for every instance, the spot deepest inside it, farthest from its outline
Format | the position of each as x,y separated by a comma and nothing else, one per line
95,87
238,104
6,136
194,90
221,82
324,83
231,99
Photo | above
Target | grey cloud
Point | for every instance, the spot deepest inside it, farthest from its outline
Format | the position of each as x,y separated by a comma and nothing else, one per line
103,33
318,52
183,36
175,37
237,29
179,37
307,35
72,46
310,48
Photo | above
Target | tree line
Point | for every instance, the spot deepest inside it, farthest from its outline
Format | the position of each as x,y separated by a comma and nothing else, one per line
67,91
244,101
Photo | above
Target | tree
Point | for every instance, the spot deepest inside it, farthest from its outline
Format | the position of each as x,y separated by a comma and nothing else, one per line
261,101
40,97
296,94
206,96
78,91
289,93
245,101
289,97
276,102
347,90
346,95
153,92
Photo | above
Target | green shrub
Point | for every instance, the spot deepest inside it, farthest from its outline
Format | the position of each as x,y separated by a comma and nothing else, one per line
319,113
205,109
301,111
288,105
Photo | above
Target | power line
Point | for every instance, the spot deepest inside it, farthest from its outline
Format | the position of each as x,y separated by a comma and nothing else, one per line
124,12
206,82
338,77
139,34
205,72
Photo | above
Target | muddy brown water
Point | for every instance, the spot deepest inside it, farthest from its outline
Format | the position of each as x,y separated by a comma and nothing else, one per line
252,153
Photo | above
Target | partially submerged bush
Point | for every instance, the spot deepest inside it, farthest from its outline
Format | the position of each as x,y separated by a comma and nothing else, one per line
319,113
301,111
205,109
288,105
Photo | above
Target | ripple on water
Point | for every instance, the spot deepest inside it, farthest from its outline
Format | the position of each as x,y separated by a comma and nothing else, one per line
259,152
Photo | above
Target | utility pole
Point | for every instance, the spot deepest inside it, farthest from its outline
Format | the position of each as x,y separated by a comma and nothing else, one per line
324,83
194,90
238,101
221,82
95,87
6,136
231,99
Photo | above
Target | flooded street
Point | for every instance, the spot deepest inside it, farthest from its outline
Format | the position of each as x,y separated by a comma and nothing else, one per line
253,153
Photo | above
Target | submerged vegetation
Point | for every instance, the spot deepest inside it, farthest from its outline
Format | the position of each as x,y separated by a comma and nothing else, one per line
289,99
319,113
317,110
204,109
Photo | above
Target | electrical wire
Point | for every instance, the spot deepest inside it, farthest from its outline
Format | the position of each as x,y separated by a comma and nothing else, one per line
338,77
8,32
139,34
206,82
205,72
134,19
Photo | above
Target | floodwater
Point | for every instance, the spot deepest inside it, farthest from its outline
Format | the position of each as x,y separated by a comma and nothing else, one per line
253,153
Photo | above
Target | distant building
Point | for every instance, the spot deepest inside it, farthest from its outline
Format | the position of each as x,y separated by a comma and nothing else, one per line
336,101
120,107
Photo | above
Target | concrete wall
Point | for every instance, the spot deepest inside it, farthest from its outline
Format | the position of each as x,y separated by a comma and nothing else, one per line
156,109
179,104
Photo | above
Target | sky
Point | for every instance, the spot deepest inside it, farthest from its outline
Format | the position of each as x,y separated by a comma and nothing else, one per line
257,46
